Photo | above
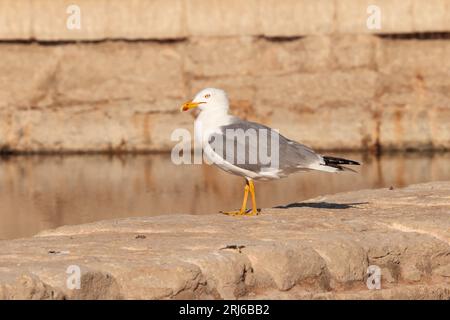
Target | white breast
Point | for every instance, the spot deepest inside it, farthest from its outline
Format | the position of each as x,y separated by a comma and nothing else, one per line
208,123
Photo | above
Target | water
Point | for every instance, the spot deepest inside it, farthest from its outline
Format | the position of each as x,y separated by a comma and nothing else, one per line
42,192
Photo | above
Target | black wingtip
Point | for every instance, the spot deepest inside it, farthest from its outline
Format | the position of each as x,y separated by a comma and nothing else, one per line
333,162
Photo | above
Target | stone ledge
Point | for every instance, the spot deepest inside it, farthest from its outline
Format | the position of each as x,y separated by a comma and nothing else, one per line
45,20
316,249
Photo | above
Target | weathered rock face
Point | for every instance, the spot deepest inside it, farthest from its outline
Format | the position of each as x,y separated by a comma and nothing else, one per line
317,249
311,69
143,19
344,92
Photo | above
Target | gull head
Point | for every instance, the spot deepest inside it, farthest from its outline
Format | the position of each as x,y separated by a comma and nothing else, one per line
209,99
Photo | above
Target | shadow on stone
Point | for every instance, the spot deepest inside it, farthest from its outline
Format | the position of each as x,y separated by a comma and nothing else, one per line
321,205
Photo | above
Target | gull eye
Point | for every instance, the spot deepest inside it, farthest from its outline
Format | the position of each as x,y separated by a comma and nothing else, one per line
207,95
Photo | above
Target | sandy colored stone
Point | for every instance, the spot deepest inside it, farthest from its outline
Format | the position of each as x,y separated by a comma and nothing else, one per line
121,129
291,263
28,287
352,16
307,89
50,20
150,74
412,125
413,94
344,112
377,92
15,19
413,57
137,19
316,249
296,18
222,18
159,19
303,55
54,98
107,19
249,56
53,76
233,56
354,51
431,15
25,73
75,87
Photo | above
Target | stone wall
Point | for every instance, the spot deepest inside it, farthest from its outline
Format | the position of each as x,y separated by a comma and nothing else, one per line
312,69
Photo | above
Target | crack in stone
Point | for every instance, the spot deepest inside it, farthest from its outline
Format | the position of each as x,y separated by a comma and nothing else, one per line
403,228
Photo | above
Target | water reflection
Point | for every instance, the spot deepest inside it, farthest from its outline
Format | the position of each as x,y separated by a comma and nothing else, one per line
42,192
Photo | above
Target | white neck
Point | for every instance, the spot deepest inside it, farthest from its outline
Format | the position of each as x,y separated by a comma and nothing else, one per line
209,121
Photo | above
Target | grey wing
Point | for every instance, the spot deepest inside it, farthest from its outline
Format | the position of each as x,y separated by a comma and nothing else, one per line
255,147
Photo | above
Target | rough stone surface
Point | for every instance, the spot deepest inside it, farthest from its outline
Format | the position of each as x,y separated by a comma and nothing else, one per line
317,249
304,67
295,18
46,20
175,19
364,92
413,96
83,98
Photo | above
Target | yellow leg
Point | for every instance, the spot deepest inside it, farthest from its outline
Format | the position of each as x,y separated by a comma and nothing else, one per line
243,210
254,211
244,201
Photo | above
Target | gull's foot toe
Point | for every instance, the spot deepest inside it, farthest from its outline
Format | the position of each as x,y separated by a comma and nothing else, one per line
248,212
253,212
231,213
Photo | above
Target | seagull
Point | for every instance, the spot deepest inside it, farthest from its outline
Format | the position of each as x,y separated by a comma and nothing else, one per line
220,135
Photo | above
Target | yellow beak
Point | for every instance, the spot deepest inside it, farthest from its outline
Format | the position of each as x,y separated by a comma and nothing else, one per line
190,105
